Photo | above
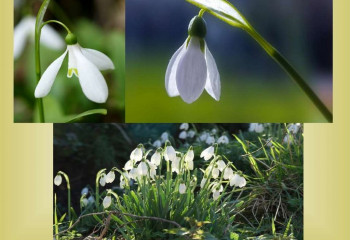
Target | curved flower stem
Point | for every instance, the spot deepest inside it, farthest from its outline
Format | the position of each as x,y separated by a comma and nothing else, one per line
68,191
287,67
38,25
57,22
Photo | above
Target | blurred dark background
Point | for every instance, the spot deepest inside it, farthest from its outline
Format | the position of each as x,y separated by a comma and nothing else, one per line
254,87
98,25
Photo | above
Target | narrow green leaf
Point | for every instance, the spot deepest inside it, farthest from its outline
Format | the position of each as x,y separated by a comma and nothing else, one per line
87,113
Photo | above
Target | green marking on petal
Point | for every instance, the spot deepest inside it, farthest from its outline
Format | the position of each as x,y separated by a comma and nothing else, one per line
202,43
72,71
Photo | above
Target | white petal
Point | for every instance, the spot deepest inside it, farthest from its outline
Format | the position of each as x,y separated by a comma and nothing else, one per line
21,32
91,80
107,201
58,180
212,85
72,62
170,75
182,188
191,73
51,38
44,86
101,61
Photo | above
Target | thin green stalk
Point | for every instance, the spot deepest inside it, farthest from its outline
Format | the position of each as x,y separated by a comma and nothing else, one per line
38,25
56,220
287,67
68,191
57,22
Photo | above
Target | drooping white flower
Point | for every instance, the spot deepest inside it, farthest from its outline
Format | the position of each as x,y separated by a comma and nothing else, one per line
203,182
84,202
164,137
294,128
210,140
169,154
25,30
183,135
184,126
91,200
136,154
189,159
182,188
103,180
85,64
129,165
110,177
157,144
216,195
191,133
221,165
228,173
152,169
237,180
192,68
156,157
214,131
223,139
256,127
58,180
107,201
215,172
124,178
142,169
217,189
204,136
175,164
84,191
208,153
133,173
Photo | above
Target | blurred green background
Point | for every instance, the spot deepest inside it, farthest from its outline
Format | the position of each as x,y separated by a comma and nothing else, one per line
254,87
98,25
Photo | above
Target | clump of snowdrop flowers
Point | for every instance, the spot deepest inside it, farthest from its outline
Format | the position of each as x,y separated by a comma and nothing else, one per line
85,64
192,68
256,127
25,30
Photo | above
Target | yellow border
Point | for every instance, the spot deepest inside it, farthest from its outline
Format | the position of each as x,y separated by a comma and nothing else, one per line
26,153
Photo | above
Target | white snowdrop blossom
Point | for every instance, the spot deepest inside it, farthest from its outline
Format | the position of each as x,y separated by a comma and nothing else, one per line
107,201
142,169
58,180
207,153
169,154
175,165
204,136
110,177
184,126
129,165
238,181
164,137
228,173
192,68
256,127
156,157
210,140
203,182
189,159
183,135
214,131
157,144
215,172
103,180
123,179
136,154
84,191
217,189
294,128
182,188
25,30
191,134
288,138
216,195
133,173
84,202
91,200
223,139
221,165
152,169
85,64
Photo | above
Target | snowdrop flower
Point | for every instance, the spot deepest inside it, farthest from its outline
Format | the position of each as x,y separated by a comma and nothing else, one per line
133,173
192,68
129,165
189,159
84,191
208,153
123,179
191,133
25,30
294,128
169,153
210,140
184,126
238,181
152,169
288,139
228,173
182,188
221,165
215,172
203,182
110,177
103,180
136,154
223,139
216,195
204,136
175,164
91,200
84,202
256,127
164,137
142,169
156,157
217,189
183,135
214,131
85,64
58,180
107,201
157,144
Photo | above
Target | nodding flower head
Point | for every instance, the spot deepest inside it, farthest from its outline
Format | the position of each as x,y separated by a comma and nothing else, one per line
107,201
208,153
192,68
110,177
182,188
137,153
58,180
85,64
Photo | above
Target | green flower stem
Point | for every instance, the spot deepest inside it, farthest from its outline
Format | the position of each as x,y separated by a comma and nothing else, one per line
39,20
57,22
97,189
56,219
68,191
287,67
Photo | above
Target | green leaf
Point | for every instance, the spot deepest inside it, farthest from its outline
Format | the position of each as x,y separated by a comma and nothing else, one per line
223,10
87,113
